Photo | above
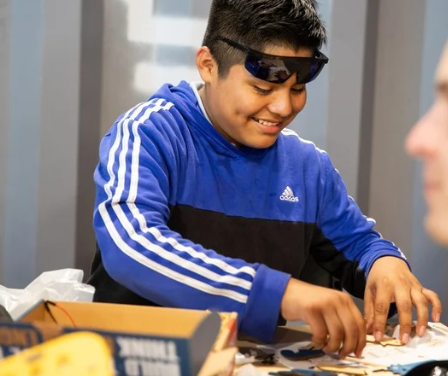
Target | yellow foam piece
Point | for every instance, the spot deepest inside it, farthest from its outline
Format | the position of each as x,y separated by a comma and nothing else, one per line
74,354
385,341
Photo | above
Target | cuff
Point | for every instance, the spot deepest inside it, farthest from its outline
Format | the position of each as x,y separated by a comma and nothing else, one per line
263,306
400,256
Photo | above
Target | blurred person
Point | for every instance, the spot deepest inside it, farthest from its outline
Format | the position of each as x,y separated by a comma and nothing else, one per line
428,141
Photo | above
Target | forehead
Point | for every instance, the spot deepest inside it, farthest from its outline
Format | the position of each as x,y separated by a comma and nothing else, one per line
287,51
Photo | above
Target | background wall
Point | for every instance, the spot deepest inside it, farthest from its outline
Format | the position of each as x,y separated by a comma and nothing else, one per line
68,69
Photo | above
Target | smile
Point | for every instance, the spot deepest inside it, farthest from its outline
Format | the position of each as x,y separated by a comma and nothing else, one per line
266,122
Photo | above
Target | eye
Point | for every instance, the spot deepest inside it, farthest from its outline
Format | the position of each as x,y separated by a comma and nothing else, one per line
262,91
298,91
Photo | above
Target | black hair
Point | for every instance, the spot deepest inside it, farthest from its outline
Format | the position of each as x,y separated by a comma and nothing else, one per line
260,23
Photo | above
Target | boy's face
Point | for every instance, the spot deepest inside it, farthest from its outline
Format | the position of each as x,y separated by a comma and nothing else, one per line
247,110
428,140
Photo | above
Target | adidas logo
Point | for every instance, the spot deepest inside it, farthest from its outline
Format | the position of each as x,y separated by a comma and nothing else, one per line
288,195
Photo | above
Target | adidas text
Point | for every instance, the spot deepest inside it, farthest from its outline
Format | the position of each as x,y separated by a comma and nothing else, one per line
288,198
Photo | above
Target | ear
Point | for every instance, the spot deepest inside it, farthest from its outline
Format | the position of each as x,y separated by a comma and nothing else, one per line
206,64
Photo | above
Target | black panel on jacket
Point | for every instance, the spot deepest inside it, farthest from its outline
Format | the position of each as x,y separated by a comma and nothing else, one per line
297,248
108,290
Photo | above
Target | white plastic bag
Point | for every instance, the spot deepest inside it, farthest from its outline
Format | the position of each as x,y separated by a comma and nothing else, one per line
250,370
60,285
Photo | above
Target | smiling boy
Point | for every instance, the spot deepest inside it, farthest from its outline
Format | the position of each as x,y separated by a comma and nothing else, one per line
206,200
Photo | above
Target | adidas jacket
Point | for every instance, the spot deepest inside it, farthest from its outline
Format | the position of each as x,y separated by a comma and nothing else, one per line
185,219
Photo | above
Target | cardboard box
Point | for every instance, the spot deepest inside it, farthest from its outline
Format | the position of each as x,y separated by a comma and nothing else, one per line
144,341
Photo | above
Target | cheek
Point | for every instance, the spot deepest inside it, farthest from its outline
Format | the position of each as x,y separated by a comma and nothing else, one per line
298,102
442,139
444,169
249,105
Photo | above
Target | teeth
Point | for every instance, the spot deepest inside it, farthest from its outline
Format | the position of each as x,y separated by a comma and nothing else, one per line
267,123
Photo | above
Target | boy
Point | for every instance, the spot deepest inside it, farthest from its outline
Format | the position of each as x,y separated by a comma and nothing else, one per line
205,200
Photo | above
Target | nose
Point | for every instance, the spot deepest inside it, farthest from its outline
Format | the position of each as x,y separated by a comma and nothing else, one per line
281,104
422,141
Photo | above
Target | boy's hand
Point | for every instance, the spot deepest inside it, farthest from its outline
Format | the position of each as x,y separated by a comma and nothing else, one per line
335,321
390,280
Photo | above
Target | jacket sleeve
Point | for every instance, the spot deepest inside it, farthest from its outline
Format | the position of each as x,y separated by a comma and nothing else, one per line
345,242
135,182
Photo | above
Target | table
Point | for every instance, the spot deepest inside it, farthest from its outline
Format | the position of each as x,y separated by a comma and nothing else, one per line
288,334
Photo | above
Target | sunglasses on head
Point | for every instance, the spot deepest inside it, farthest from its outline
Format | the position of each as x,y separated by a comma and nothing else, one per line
278,69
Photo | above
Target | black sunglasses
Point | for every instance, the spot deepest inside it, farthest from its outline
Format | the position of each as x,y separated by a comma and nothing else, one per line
278,69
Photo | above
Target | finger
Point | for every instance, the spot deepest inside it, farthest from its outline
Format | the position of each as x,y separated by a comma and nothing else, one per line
350,331
435,302
318,329
421,306
335,330
361,328
381,309
368,310
403,301
354,330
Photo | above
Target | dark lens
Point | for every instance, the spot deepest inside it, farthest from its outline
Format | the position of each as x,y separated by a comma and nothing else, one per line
279,71
266,70
315,70
309,72
279,75
252,64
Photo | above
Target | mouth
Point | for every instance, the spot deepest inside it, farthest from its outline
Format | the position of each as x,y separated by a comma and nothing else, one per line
268,126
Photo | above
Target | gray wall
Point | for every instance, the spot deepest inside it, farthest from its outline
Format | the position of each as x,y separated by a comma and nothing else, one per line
90,93
40,134
312,122
69,69
5,26
22,148
395,109
149,42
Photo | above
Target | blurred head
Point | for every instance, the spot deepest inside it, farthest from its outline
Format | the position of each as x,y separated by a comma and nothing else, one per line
249,96
428,140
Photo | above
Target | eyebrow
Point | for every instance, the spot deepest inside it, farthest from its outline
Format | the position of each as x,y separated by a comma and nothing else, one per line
256,81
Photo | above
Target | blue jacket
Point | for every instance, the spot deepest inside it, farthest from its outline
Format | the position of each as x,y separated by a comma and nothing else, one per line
185,219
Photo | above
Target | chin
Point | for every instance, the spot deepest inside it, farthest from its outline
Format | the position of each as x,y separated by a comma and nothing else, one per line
261,143
437,228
